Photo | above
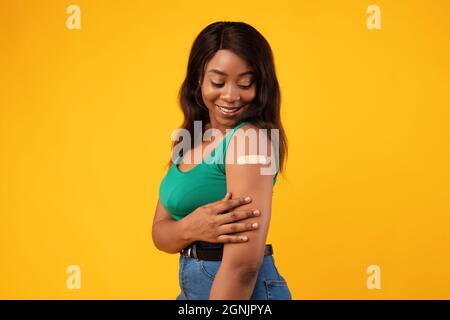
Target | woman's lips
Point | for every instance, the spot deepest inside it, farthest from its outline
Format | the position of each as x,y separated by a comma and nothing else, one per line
229,112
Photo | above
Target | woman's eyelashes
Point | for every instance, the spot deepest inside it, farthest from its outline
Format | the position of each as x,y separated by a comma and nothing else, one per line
242,86
247,86
218,85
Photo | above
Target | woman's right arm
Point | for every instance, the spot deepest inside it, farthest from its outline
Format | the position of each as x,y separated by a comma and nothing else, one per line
206,223
168,234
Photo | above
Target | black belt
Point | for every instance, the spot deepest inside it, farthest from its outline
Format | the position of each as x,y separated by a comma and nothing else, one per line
212,251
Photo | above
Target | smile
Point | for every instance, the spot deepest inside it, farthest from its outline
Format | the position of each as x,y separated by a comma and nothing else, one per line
229,111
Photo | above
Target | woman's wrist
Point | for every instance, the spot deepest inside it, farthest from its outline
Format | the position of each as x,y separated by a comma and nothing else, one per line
185,230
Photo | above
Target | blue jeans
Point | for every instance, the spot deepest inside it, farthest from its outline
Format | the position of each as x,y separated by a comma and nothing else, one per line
196,278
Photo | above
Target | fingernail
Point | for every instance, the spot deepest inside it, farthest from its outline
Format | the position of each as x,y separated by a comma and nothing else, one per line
244,238
247,199
255,225
256,212
226,195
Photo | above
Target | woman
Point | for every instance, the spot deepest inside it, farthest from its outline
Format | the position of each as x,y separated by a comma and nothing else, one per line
216,212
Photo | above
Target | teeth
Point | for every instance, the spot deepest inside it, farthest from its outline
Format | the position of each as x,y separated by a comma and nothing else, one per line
227,110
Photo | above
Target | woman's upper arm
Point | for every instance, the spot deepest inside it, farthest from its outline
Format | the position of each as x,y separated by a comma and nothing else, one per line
248,180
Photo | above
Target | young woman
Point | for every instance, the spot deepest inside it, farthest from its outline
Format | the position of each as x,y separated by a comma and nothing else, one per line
216,212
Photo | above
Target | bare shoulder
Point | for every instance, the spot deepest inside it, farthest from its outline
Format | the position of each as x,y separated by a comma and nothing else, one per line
250,153
253,141
249,126
249,129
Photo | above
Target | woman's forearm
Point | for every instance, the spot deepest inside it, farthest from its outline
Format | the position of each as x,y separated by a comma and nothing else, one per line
171,236
233,283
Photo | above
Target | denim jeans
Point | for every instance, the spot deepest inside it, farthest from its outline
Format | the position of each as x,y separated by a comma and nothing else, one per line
196,278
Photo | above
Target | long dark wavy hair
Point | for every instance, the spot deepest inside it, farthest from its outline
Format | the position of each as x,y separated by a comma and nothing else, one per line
246,42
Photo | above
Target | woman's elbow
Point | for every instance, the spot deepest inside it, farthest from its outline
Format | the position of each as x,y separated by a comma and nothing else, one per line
160,244
247,276
247,271
164,248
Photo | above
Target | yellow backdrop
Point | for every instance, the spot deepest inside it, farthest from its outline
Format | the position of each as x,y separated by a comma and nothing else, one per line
86,116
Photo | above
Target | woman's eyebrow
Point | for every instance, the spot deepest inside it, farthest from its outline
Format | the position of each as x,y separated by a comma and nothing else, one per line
224,74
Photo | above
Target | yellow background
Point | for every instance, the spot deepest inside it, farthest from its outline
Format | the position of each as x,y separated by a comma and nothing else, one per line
86,117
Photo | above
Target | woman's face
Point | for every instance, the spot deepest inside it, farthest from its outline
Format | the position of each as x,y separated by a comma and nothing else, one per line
228,87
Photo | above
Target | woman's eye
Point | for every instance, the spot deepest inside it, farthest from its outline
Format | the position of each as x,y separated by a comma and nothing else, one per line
218,85
242,86
247,86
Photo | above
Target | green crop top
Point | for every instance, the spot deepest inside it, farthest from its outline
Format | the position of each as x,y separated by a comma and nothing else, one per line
181,193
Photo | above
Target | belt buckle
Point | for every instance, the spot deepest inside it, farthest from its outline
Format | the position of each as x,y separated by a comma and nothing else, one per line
194,250
191,251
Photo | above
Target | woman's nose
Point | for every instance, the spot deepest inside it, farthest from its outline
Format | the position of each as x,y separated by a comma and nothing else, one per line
231,94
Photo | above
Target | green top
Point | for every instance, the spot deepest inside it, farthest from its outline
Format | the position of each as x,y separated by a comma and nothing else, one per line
181,192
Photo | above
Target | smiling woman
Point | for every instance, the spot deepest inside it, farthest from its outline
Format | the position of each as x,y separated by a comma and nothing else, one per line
217,213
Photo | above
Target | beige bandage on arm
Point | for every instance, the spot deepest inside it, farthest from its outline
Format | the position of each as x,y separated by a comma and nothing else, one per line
252,159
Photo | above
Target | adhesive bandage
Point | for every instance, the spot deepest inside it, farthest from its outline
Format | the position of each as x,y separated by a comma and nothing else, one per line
252,159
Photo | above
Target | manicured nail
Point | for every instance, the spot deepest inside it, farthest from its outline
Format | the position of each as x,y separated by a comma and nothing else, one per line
247,199
256,212
255,225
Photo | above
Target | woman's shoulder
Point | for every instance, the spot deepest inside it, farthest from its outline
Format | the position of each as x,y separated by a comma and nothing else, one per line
254,145
249,126
251,131
246,128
